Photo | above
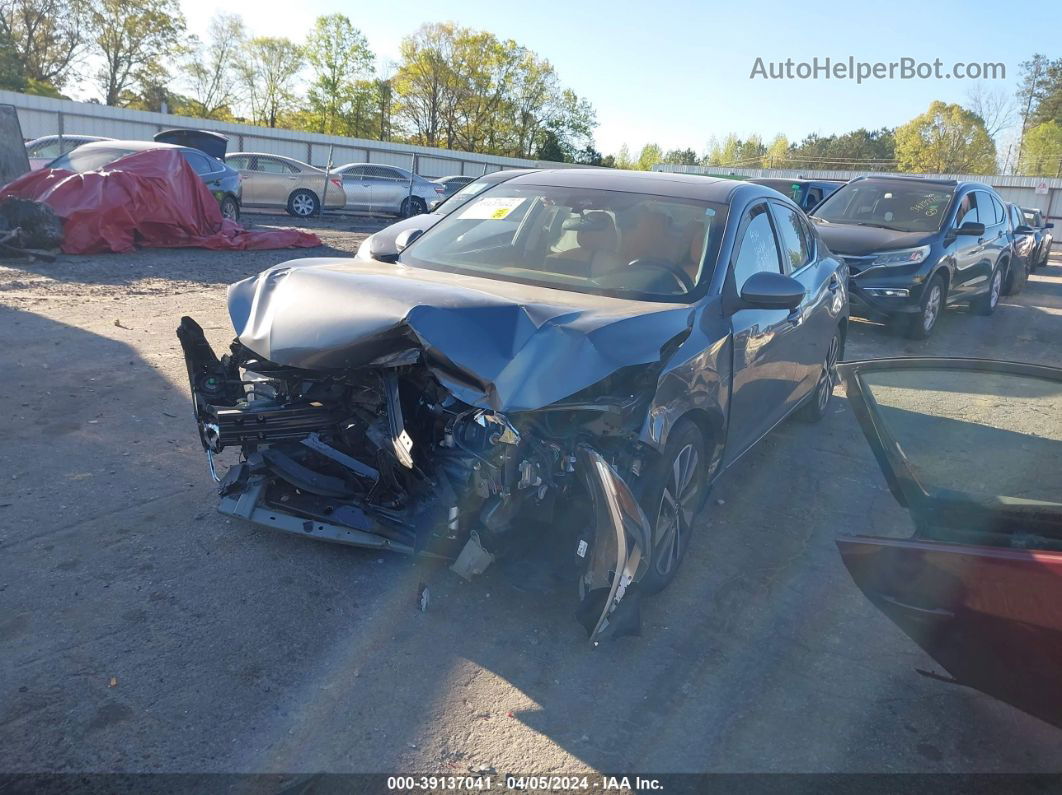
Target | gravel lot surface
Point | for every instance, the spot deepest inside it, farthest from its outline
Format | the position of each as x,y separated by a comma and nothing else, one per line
142,631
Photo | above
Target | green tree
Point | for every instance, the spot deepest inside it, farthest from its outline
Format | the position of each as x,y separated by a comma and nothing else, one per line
680,157
384,93
650,155
12,73
460,88
1049,107
136,39
777,153
622,158
339,98
550,148
46,36
946,139
211,68
1032,89
268,70
862,149
1042,155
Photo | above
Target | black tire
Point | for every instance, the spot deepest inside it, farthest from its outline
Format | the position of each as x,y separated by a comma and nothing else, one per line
682,468
230,208
303,203
413,205
815,407
934,299
1015,280
986,304
1046,257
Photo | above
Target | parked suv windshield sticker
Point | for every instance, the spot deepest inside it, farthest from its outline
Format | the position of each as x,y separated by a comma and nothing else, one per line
492,208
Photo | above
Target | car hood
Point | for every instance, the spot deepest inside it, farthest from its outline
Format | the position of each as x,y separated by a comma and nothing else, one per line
860,240
493,344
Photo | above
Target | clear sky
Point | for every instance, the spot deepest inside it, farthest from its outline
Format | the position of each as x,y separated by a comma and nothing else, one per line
677,71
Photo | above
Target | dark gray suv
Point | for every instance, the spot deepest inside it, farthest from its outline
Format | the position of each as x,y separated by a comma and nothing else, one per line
915,245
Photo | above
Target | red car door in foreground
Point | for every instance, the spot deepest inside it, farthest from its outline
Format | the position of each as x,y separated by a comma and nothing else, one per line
973,449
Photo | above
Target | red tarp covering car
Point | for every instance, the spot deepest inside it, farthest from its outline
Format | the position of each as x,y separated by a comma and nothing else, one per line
148,199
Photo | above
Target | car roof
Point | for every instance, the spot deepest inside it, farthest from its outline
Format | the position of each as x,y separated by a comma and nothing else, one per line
70,137
285,158
797,181
905,178
659,183
132,146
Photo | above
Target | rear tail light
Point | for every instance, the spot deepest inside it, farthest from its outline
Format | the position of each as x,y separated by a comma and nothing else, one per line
440,189
337,182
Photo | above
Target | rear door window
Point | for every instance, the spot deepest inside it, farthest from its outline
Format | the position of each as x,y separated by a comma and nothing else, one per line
197,161
270,166
796,248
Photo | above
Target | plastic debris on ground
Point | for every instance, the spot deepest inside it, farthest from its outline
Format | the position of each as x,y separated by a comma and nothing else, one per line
150,199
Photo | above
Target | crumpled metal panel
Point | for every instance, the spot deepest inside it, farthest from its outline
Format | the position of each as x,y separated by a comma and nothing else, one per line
494,344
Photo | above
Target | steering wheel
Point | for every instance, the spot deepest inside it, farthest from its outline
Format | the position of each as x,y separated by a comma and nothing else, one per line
671,269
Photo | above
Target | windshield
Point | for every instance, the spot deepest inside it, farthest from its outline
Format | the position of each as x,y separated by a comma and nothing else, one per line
82,160
1030,218
462,197
615,243
902,206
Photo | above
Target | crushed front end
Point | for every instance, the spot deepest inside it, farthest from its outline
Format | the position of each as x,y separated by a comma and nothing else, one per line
382,456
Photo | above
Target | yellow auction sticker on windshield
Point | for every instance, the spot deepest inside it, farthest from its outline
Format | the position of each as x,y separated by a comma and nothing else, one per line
492,208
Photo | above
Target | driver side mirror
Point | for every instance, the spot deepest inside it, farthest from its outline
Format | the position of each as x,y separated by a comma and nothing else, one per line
770,290
971,228
405,237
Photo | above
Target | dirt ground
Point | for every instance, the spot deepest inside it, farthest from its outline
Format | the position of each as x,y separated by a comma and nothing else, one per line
142,631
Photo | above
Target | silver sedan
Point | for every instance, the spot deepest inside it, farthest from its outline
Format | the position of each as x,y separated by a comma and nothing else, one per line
371,187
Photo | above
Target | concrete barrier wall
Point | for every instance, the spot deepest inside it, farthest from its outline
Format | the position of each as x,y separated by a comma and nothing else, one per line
46,116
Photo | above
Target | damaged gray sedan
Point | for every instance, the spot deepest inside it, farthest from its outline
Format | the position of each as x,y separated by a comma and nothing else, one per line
568,361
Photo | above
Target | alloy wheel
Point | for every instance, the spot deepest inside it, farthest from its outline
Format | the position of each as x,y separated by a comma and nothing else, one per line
677,505
302,205
997,288
931,311
829,371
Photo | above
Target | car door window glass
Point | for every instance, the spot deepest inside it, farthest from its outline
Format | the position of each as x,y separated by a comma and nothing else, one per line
793,237
986,210
967,212
48,149
238,163
758,250
273,166
197,161
1001,214
945,420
